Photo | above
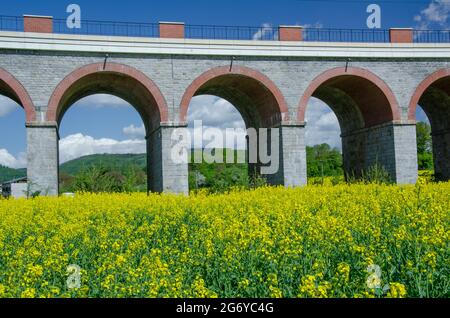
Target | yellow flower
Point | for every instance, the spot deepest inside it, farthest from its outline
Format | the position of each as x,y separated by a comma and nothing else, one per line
314,241
344,271
29,293
397,290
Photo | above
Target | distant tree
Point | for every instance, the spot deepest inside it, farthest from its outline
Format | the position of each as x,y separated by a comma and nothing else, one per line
7,174
218,178
66,182
323,161
98,179
424,141
424,146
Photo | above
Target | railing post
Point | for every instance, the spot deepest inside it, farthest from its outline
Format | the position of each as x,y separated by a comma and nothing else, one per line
290,33
171,30
39,24
401,35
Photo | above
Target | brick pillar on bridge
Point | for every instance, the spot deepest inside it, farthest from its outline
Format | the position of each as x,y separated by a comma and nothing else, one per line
42,158
401,35
290,33
38,24
405,145
166,174
171,30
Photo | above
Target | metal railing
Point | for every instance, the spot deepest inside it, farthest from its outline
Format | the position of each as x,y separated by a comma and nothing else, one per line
11,23
108,28
431,36
345,35
214,32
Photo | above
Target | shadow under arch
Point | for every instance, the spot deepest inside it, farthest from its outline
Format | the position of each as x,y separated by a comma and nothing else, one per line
254,95
363,104
433,95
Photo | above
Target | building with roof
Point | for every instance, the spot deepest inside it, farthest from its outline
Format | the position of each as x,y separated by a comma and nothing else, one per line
16,188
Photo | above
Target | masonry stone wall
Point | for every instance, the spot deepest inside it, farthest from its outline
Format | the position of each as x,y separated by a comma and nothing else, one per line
40,73
292,154
392,146
42,158
405,145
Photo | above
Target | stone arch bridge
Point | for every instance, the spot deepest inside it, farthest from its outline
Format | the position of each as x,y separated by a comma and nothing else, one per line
373,88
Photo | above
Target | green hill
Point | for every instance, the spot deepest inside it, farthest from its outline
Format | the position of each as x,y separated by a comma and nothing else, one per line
111,162
7,174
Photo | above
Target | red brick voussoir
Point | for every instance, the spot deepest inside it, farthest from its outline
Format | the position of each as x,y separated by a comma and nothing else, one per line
350,71
235,70
20,94
54,106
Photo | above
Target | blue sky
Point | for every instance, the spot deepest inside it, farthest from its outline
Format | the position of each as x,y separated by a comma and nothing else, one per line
123,131
331,13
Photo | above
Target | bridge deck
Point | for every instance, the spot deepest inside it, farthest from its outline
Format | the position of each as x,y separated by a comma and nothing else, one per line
140,45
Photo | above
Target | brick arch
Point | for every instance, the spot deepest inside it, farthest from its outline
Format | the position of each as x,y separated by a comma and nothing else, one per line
245,72
12,88
421,89
371,116
55,109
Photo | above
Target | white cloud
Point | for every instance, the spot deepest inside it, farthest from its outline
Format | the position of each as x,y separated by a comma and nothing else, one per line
101,100
7,106
435,15
322,125
316,25
266,32
233,139
8,160
313,26
134,132
79,145
215,112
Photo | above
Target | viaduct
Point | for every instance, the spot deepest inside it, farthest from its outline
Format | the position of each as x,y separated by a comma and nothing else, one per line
372,86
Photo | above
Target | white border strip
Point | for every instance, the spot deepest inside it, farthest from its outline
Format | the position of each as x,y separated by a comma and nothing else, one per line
138,45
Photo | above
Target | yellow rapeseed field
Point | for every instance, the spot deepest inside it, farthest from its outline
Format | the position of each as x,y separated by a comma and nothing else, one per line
318,241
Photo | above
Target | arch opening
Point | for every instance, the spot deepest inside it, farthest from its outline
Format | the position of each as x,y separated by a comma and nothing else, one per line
16,107
98,156
254,96
433,96
254,102
366,109
257,98
323,143
424,143
218,143
120,85
13,156
127,84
